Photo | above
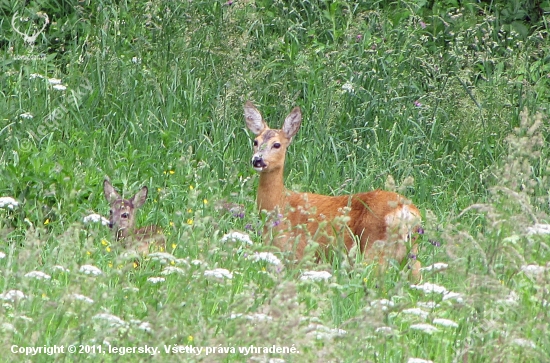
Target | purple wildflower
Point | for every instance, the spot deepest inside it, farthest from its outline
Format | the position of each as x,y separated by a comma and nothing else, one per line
417,104
239,215
358,37
435,243
278,220
422,24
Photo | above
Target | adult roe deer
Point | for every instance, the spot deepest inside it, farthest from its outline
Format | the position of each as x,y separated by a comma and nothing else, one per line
382,222
122,219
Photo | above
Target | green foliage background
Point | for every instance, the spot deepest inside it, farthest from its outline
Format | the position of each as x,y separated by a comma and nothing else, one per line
428,90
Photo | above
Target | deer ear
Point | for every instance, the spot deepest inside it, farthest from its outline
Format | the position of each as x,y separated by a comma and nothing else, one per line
139,199
110,193
292,123
253,118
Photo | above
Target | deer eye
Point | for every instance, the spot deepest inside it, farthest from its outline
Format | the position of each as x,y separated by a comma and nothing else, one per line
255,142
276,145
111,212
124,215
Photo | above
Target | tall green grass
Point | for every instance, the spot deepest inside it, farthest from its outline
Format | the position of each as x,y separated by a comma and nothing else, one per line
448,102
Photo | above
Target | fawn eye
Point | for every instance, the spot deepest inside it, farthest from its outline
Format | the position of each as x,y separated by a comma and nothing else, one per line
255,142
124,215
276,145
111,212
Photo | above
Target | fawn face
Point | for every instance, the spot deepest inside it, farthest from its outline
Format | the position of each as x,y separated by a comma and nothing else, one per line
270,145
122,211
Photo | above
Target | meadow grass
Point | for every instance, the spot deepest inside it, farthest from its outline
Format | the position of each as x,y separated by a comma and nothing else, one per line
447,105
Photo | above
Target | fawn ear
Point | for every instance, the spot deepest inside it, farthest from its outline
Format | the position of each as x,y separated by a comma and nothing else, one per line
139,199
253,118
292,123
110,193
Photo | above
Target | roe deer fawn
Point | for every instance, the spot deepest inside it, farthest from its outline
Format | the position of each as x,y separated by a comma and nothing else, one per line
381,222
122,218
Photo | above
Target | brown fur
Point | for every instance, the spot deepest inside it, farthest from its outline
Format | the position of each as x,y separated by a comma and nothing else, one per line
381,221
122,219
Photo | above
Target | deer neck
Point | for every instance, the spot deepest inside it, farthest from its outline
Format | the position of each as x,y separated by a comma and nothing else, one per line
271,191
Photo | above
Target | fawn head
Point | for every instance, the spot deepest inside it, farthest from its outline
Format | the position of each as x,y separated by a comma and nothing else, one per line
270,145
122,213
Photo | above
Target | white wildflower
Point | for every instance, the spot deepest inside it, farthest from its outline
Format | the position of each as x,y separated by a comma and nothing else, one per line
198,263
59,87
39,275
539,228
524,343
384,304
36,75
60,268
169,270
130,289
26,115
54,81
430,288
90,270
136,60
236,236
416,311
266,256
219,273
162,257
112,320
449,295
315,275
12,295
320,331
348,87
511,299
533,270
2,255
445,322
384,330
253,317
436,267
8,202
156,280
96,218
427,304
145,326
83,298
419,360
8,327
426,328
25,318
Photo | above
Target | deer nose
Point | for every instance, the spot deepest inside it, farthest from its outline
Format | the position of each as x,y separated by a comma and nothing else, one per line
110,224
258,162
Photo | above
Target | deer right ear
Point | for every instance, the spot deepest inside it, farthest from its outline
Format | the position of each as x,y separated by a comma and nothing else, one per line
110,193
139,199
253,118
292,122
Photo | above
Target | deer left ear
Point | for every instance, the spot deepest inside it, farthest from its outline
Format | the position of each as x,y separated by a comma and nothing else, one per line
110,193
292,123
